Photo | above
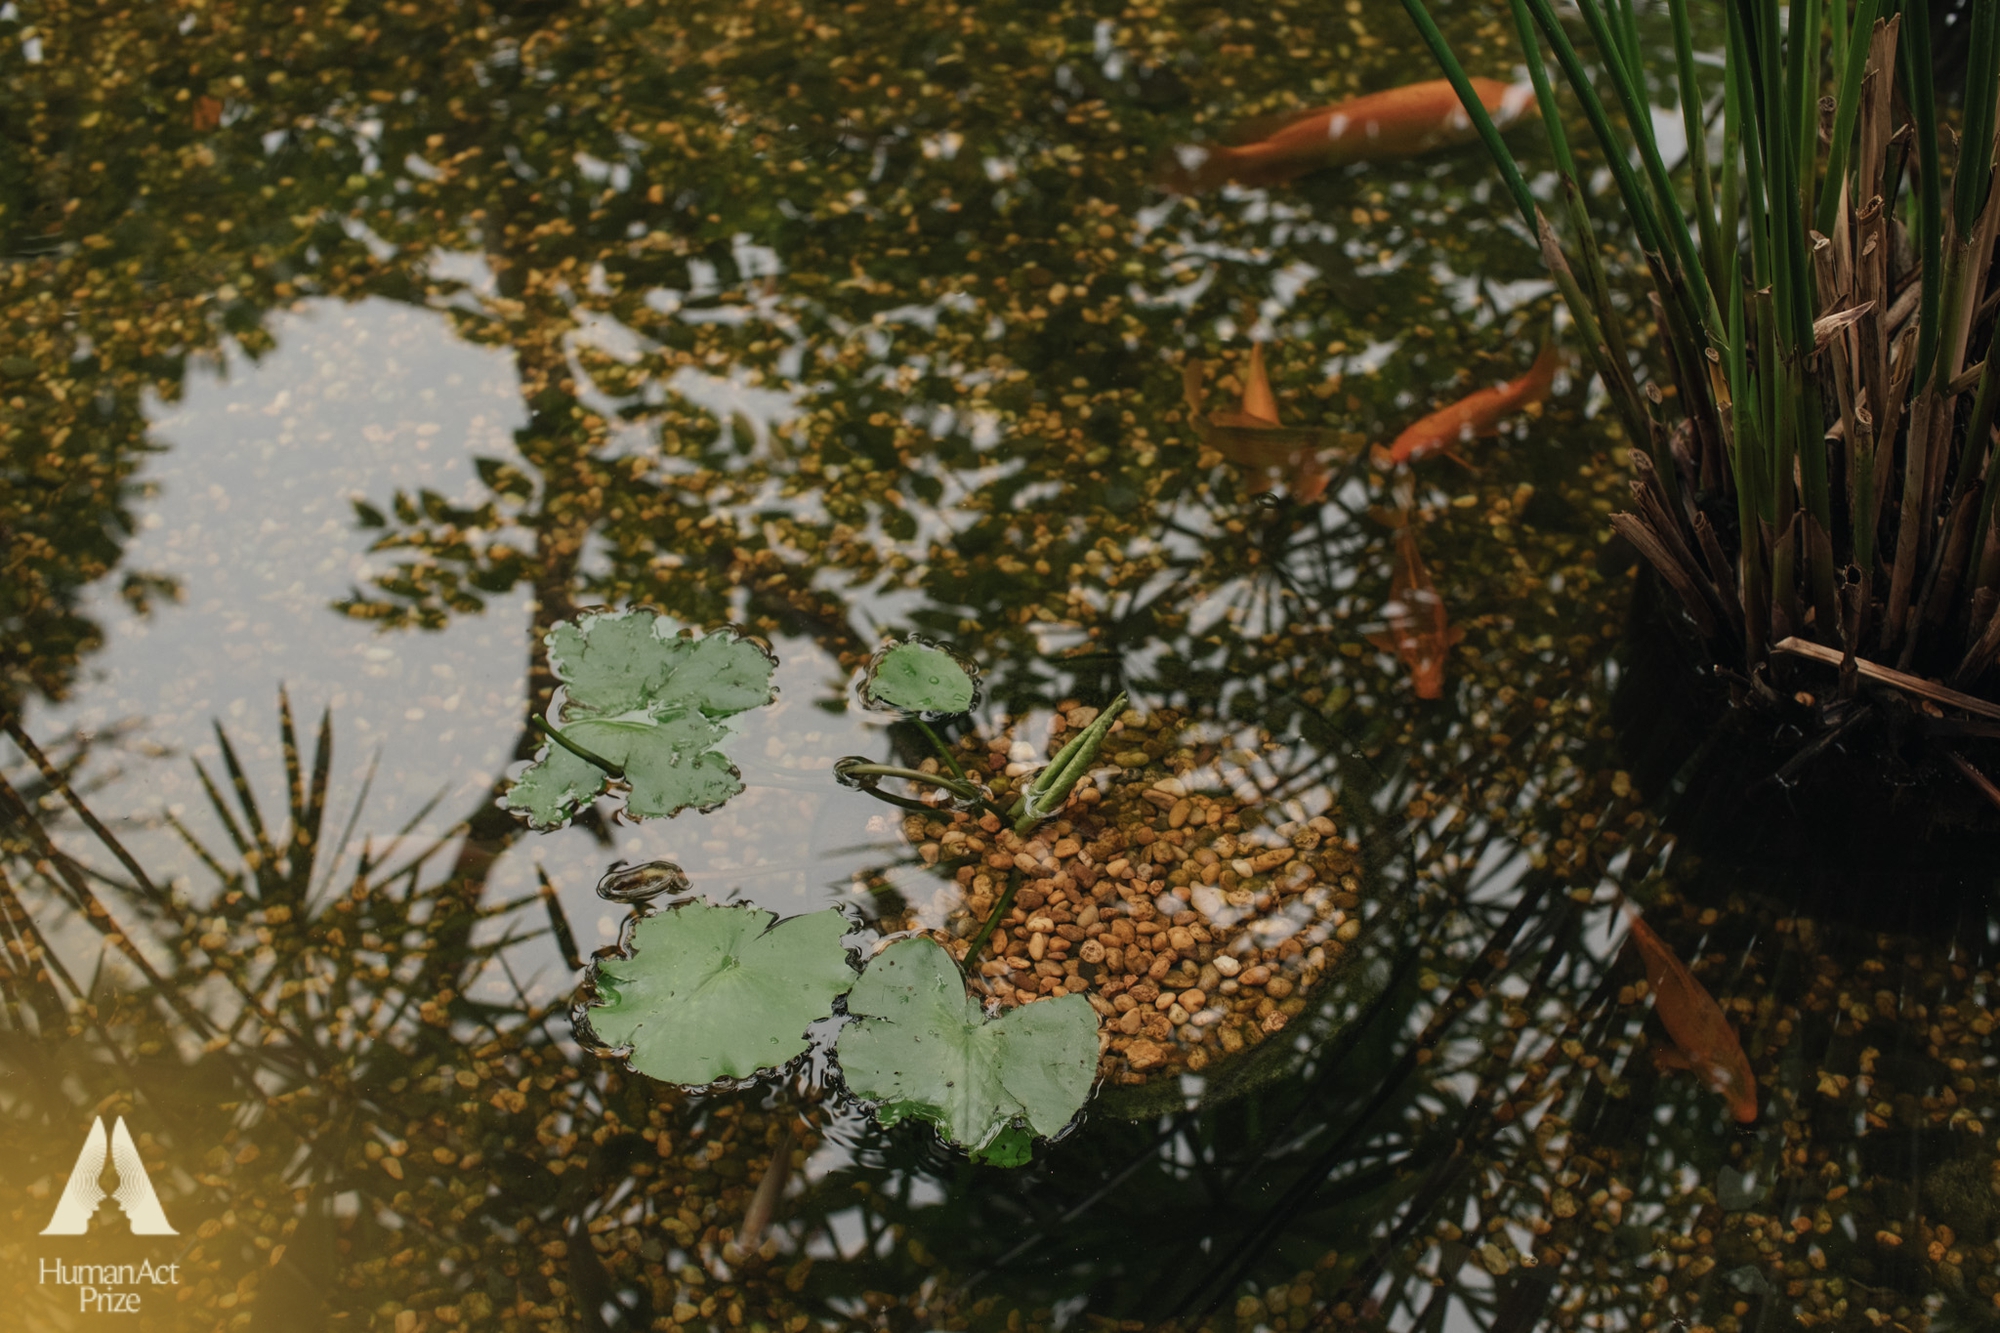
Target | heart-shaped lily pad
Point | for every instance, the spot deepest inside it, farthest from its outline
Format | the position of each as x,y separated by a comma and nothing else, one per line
719,992
921,1048
646,702
920,677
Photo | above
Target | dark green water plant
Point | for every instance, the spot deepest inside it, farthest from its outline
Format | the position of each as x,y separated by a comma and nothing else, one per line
699,993
1816,483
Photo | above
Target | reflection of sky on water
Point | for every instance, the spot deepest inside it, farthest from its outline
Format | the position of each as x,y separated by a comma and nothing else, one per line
258,466
253,516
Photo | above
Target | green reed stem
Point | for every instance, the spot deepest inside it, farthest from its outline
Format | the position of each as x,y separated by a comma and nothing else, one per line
1697,141
1802,49
1847,105
1915,49
1676,244
1599,323
1489,134
1975,158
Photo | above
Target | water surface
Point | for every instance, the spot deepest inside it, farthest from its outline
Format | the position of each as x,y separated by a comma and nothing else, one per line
347,350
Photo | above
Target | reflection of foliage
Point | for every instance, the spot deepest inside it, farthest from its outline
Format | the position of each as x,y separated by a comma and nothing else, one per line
920,230
311,1040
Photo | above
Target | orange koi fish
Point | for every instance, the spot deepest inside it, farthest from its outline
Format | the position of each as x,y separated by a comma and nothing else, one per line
1418,632
1475,415
1253,438
1707,1044
1379,127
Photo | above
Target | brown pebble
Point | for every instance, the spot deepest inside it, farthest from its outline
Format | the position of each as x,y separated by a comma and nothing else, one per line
1091,952
1038,945
1179,814
1274,1021
1131,1021
1143,1054
1193,1001
1255,976
1278,987
1180,939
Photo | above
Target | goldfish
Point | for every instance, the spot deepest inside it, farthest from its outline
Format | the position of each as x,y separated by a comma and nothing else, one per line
1706,1042
1380,127
1252,437
1418,632
1474,415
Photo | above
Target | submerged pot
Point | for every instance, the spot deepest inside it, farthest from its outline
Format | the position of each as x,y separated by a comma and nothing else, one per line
1850,807
1201,924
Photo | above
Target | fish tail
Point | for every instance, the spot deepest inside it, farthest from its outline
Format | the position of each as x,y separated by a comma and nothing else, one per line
1392,519
1309,479
1542,375
1380,456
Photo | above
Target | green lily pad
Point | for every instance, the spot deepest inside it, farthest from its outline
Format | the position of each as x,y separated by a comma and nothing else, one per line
719,992
920,677
650,701
921,1048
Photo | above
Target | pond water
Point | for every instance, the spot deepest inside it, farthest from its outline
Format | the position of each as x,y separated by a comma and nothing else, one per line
350,350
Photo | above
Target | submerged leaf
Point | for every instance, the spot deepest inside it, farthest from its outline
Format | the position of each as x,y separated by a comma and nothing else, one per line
649,701
921,1047
719,992
919,677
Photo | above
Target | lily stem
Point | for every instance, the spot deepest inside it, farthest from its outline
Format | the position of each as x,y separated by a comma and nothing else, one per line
903,801
537,722
992,921
960,787
944,751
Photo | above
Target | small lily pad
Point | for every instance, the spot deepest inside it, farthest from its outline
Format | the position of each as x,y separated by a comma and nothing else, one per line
921,1048
719,992
920,677
649,701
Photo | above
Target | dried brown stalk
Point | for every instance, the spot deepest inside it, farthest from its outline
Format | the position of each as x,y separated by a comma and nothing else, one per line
1901,680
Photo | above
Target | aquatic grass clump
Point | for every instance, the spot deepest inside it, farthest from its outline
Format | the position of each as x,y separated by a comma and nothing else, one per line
1817,484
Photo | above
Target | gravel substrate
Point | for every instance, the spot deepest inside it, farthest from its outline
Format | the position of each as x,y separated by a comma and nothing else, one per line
1195,921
